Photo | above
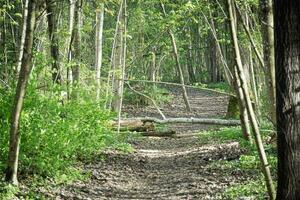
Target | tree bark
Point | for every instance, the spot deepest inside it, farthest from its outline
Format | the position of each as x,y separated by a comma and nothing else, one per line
25,13
189,120
123,62
269,57
70,42
118,54
189,57
77,42
287,49
14,143
99,41
110,104
53,37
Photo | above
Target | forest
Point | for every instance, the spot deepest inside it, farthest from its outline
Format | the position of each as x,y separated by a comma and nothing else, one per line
149,99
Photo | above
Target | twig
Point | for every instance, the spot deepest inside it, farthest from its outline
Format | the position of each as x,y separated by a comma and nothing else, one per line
146,96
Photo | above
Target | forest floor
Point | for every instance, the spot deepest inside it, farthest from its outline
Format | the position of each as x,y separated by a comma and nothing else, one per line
179,167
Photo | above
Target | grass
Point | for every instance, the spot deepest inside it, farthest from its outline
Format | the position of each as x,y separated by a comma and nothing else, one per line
248,163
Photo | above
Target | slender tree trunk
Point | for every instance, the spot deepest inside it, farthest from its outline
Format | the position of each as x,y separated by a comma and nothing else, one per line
269,57
14,143
118,56
77,43
243,109
178,67
99,40
111,78
123,62
4,68
256,50
253,121
25,13
53,37
152,69
189,57
287,45
70,42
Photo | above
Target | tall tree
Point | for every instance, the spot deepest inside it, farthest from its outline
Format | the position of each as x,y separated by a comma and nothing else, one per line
287,51
117,60
269,58
14,143
53,37
98,44
178,66
240,75
77,42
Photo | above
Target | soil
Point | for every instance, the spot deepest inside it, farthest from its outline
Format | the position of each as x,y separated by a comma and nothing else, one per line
164,168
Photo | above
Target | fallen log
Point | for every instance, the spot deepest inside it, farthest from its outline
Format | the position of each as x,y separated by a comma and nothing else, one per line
147,124
134,125
223,122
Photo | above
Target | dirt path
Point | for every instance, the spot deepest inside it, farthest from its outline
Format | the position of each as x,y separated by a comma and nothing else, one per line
164,168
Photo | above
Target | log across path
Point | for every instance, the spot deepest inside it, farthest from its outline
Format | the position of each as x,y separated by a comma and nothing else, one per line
164,167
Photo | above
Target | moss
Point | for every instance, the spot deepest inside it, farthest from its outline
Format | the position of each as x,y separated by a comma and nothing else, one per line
233,111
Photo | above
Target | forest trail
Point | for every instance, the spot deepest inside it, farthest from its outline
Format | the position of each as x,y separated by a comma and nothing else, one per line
179,167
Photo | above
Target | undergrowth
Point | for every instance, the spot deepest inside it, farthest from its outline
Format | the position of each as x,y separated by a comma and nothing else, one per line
248,163
219,86
55,137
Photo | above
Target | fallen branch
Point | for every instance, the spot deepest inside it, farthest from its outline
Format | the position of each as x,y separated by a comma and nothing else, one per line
133,125
178,84
223,122
146,96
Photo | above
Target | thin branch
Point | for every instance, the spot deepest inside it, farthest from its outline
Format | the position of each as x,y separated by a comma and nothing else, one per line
146,96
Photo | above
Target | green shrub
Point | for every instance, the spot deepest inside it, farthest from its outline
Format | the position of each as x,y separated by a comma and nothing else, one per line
55,136
255,189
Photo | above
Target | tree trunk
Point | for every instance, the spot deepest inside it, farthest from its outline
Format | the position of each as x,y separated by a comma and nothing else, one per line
99,40
287,45
254,124
53,37
117,82
77,43
4,68
243,109
115,51
189,120
152,68
123,62
269,57
25,13
178,67
70,42
189,57
14,143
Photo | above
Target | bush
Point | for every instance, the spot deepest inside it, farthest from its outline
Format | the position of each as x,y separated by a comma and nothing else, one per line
55,136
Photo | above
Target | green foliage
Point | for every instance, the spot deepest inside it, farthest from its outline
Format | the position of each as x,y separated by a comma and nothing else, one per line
8,191
254,189
159,95
220,86
248,163
224,135
55,136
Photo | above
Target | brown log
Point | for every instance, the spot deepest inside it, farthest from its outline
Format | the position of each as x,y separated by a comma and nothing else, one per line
134,125
192,120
